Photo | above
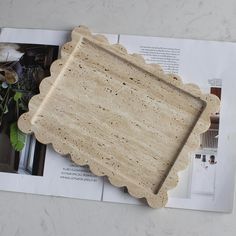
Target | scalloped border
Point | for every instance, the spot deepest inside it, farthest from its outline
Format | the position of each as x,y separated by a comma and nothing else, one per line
212,105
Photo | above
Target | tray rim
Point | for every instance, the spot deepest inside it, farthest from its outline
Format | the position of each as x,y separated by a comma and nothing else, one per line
211,102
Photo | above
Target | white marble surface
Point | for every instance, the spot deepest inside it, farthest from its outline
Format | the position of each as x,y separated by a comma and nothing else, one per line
24,214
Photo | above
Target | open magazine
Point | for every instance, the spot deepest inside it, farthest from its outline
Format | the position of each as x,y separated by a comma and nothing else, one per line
29,166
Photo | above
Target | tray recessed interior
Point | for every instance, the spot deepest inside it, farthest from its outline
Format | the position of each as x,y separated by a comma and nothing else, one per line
121,117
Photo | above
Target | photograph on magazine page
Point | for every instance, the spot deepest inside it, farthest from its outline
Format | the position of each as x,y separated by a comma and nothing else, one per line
204,160
22,68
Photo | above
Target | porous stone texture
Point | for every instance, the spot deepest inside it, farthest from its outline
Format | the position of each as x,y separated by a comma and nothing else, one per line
124,118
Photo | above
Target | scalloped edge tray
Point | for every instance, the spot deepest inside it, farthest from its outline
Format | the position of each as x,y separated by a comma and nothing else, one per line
120,116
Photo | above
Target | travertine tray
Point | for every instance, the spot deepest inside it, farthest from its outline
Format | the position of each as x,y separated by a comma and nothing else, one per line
122,117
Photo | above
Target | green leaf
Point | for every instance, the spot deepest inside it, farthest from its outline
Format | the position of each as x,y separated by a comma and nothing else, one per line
17,96
17,137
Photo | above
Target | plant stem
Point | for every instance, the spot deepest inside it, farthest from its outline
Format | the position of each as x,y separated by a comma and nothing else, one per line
17,105
5,101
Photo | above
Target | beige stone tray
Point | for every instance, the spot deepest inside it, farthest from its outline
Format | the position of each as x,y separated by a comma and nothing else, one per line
122,117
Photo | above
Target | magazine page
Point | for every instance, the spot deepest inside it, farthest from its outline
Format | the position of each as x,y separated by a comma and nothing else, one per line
38,169
25,59
204,185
